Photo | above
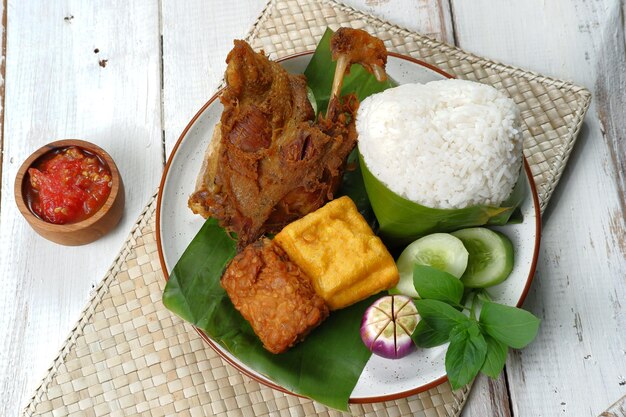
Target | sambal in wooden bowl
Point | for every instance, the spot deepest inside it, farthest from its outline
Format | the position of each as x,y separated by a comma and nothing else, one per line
70,192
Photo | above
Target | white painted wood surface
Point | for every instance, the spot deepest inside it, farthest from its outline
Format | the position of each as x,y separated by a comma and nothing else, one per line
164,60
58,87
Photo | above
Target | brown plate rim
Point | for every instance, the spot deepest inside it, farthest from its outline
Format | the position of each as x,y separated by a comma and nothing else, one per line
359,400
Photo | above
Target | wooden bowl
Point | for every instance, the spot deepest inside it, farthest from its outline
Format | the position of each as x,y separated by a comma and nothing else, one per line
84,231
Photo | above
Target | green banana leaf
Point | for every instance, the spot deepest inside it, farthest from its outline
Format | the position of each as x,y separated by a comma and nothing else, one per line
402,221
352,185
325,367
321,71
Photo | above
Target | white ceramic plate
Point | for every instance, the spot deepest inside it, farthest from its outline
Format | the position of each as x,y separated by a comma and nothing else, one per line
382,379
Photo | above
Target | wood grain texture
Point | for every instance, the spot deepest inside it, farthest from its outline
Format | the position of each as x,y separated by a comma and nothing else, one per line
576,365
3,53
488,397
196,40
75,69
428,17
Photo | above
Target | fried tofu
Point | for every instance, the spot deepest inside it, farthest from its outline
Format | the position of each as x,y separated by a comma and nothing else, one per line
274,295
339,252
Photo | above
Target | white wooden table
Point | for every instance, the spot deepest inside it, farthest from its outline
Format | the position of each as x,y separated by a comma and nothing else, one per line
128,75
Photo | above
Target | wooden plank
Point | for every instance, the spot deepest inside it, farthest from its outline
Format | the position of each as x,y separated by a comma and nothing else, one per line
488,397
576,364
196,40
3,52
429,17
88,70
611,102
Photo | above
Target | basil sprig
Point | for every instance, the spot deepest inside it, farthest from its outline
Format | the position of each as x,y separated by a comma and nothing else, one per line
476,344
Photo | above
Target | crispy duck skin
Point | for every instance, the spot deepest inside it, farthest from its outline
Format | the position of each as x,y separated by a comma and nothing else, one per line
274,295
272,162
355,46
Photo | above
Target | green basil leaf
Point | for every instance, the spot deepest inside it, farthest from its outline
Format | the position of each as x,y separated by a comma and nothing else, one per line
510,325
427,337
466,353
496,357
434,284
439,316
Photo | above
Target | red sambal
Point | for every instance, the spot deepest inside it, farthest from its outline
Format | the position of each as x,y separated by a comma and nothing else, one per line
68,185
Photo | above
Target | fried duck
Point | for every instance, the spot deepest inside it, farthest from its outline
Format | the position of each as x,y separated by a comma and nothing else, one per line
270,162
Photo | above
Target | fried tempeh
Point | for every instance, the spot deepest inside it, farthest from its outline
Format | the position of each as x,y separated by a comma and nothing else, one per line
274,295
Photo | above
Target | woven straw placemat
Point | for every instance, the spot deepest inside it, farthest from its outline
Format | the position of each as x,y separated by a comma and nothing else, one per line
128,355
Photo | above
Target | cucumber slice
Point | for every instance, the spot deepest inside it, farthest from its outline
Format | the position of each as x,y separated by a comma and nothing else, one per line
439,250
490,257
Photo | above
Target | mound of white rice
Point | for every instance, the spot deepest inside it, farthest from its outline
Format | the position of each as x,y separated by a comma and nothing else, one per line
443,144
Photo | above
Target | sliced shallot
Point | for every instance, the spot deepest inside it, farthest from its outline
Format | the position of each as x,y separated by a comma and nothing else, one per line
387,326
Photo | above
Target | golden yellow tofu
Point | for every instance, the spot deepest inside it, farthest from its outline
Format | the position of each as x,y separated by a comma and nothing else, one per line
337,249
